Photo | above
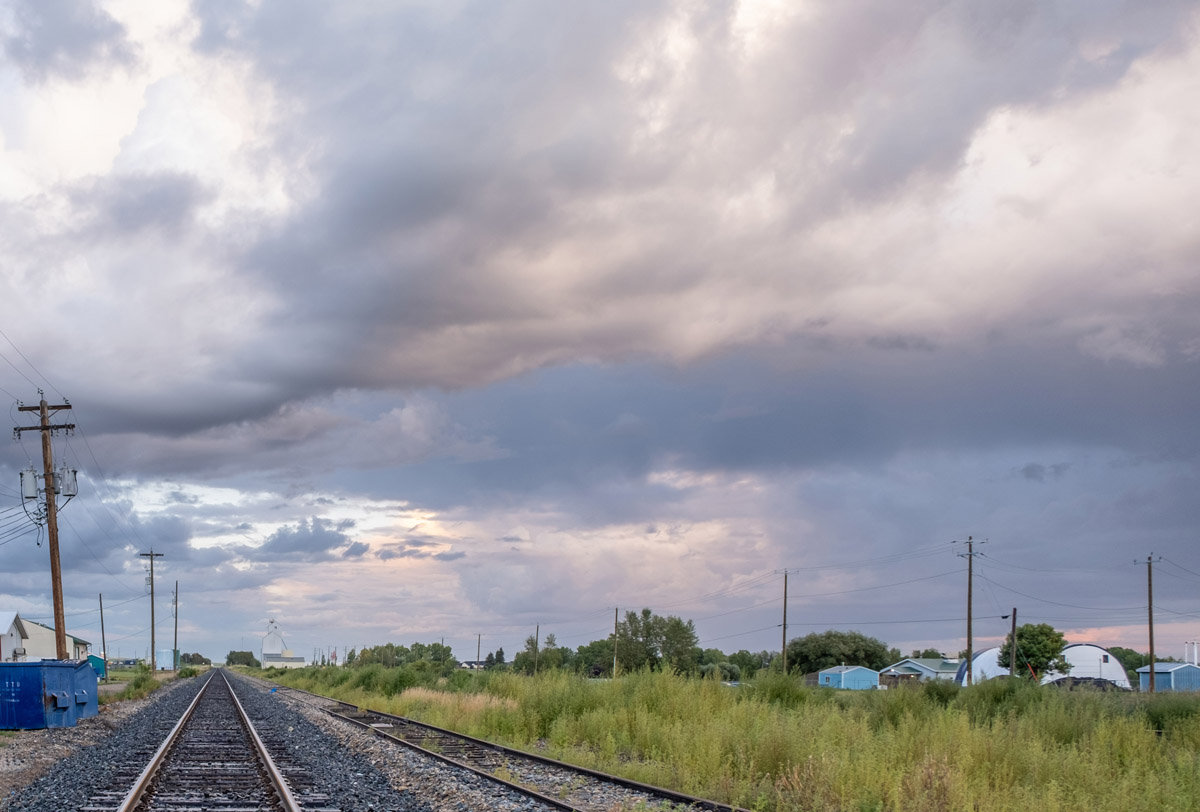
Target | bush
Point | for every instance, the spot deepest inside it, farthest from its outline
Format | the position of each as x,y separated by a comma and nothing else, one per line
187,671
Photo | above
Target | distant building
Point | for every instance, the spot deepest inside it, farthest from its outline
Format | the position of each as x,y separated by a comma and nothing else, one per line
28,641
921,669
1087,661
1171,677
12,641
472,665
849,677
275,652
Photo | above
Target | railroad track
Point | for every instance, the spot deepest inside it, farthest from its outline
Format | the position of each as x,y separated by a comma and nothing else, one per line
214,760
555,783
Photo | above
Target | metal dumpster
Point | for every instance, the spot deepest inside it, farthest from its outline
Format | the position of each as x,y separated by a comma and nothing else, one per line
46,693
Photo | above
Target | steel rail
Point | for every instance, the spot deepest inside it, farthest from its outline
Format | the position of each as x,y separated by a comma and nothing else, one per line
526,791
674,796
137,793
290,804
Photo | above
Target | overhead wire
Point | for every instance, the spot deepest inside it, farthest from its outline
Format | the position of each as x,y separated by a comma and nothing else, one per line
1057,603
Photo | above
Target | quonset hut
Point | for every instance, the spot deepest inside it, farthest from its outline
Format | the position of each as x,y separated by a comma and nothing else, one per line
1087,662
275,652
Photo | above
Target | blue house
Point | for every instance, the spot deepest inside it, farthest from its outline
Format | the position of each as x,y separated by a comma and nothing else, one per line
1171,677
849,677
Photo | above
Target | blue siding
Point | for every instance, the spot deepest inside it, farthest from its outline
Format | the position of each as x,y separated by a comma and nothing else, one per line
856,679
1184,678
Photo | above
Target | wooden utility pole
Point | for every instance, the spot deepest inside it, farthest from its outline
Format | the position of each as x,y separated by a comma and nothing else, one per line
616,611
478,643
537,638
175,644
785,573
1150,609
45,427
153,654
103,640
1012,653
970,556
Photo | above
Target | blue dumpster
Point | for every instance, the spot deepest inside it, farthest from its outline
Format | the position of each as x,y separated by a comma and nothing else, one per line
98,665
47,693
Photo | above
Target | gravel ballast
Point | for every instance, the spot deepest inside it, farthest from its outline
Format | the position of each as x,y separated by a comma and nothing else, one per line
75,762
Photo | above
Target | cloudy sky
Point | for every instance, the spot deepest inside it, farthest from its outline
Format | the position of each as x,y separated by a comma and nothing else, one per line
398,321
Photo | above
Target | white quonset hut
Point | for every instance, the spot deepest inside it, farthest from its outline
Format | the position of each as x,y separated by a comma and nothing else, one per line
1087,662
1091,662
275,651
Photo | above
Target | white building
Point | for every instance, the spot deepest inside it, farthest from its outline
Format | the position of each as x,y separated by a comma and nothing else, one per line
1087,662
30,641
275,651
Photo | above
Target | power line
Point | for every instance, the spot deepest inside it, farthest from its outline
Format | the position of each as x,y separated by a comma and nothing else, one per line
1056,603
31,366
1180,566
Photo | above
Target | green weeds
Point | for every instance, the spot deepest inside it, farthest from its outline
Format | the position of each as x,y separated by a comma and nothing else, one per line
775,744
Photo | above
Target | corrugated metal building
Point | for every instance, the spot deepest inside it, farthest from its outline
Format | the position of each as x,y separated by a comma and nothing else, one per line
1171,677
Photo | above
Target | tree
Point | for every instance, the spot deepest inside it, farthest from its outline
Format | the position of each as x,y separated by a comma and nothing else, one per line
595,658
925,653
750,662
1039,649
638,641
678,645
350,655
647,640
242,658
821,650
489,662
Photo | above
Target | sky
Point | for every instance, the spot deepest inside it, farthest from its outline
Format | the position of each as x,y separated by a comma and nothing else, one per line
411,321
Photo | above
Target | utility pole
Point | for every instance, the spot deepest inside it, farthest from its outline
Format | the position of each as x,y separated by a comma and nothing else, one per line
103,640
970,556
616,611
1149,562
478,643
153,653
45,427
1012,653
785,574
537,638
175,645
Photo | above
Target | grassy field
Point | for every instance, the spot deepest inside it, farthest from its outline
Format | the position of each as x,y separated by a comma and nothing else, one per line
774,744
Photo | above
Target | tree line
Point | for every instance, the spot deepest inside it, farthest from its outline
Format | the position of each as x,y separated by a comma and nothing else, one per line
645,640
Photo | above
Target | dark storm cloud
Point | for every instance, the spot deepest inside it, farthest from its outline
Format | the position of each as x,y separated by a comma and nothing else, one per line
759,415
437,144
356,550
314,539
64,38
120,205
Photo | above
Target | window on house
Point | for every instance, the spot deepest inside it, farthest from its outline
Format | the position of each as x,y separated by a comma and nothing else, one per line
1104,658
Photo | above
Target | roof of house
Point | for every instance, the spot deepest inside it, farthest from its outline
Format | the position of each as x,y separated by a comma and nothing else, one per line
51,628
842,669
938,665
1160,668
10,619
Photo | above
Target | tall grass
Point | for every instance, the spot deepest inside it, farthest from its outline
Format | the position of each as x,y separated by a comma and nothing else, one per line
775,744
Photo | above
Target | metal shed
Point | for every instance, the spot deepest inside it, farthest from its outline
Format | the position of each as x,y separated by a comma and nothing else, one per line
49,693
1171,677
